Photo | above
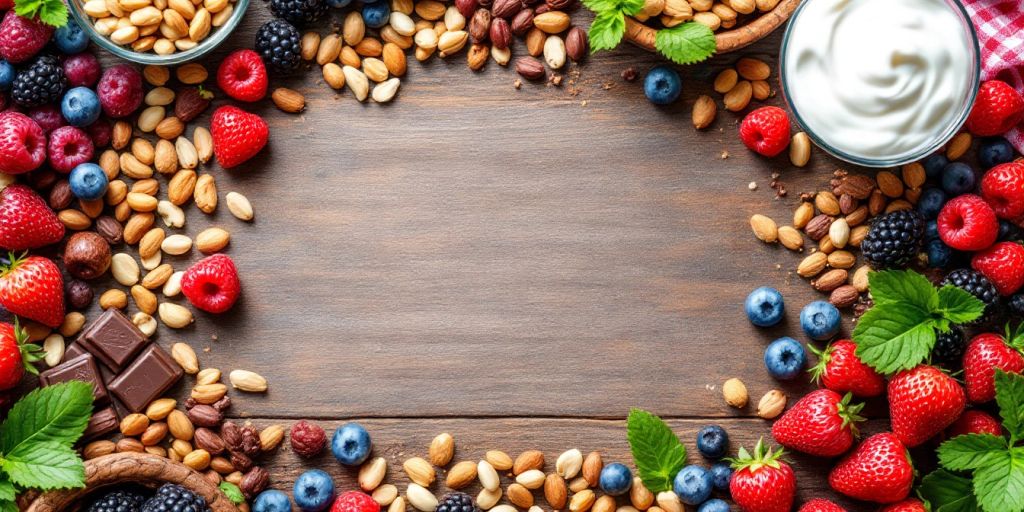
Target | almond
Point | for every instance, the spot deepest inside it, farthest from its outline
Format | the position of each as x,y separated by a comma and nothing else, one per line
552,22
592,466
181,187
186,358
790,238
582,501
144,299
726,80
419,471
827,203
442,449
800,149
841,259
160,408
771,404
531,479
205,194
605,503
735,393
530,459
212,240
914,175
704,111
753,69
519,496
569,464
844,296
839,233
860,278
856,185
889,184
738,97
250,382
499,459
461,475
555,492
239,206
958,146
288,100
639,495
830,280
764,228
812,265
488,476
385,494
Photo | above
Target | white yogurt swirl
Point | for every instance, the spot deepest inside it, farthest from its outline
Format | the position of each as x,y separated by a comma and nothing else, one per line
878,79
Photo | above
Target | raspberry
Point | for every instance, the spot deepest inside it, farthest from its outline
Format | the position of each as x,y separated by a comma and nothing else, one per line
355,501
766,131
68,147
120,90
1003,189
242,76
1003,265
968,223
22,143
22,38
307,439
997,108
100,133
82,70
211,284
48,117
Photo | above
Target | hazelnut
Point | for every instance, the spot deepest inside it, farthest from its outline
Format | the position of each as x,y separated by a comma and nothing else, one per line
86,255
79,294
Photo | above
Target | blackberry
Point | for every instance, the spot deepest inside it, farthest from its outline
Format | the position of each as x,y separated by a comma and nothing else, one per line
299,12
949,346
894,239
277,41
41,83
1016,304
121,500
976,284
457,502
175,498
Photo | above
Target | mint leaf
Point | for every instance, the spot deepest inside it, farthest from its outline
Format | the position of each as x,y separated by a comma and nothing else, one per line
51,12
630,7
55,414
903,287
1010,398
999,485
970,451
7,492
44,465
946,492
959,306
599,6
687,43
607,30
894,337
9,506
657,452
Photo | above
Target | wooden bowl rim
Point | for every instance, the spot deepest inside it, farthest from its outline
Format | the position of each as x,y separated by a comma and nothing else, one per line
141,468
727,41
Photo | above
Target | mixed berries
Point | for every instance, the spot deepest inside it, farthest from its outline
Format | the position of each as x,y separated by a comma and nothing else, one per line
766,131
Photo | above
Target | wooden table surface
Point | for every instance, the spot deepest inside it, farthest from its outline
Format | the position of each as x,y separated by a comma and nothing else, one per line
518,267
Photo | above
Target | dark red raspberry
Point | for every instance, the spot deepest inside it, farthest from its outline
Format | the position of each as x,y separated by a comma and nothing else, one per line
68,147
48,117
307,439
120,90
355,501
100,133
82,70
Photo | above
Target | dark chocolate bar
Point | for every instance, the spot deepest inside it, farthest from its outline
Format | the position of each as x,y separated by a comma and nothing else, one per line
102,422
113,339
152,374
81,368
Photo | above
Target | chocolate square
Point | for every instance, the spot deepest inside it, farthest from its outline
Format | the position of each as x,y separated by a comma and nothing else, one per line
74,350
102,422
113,339
152,374
81,368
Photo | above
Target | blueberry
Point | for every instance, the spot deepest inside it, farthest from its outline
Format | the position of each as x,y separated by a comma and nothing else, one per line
692,484
615,479
712,442
820,320
931,230
7,74
88,181
662,85
338,4
934,165
765,307
713,505
376,14
1010,232
939,254
785,358
70,39
272,501
931,201
957,179
80,106
721,474
994,151
313,491
351,444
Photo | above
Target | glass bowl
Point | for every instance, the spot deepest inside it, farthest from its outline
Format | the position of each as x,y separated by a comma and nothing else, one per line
216,37
941,135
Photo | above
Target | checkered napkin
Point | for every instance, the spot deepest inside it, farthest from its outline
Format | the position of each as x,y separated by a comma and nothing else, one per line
1000,27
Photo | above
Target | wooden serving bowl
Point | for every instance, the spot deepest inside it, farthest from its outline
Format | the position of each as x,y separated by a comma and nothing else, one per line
140,468
727,40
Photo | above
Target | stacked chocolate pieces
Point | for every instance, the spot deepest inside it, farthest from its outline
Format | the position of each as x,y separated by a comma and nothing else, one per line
127,372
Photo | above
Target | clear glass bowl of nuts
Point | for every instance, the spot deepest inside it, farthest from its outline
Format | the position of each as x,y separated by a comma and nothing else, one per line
158,32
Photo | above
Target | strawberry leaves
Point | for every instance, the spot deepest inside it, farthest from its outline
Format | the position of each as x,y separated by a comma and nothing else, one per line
51,12
687,43
657,452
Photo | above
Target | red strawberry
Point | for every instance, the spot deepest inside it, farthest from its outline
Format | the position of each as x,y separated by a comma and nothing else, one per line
22,38
983,355
212,284
968,223
1003,188
766,131
922,402
243,76
762,482
32,287
997,108
355,501
821,505
1003,264
975,422
22,143
879,470
26,222
822,423
237,135
16,355
840,370
907,505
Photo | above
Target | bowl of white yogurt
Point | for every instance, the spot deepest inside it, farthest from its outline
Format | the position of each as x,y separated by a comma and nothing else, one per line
880,83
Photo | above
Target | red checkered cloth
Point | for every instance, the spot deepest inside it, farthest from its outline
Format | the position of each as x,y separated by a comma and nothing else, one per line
1000,27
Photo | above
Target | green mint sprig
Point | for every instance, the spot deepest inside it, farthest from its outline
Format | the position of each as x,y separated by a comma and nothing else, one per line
36,441
898,333
687,43
657,451
51,12
983,471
